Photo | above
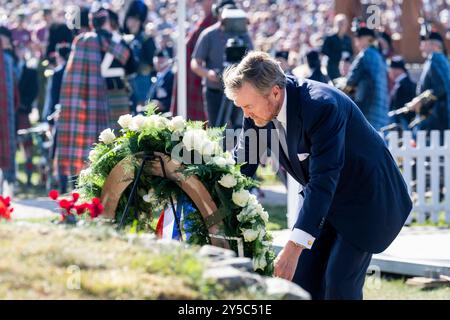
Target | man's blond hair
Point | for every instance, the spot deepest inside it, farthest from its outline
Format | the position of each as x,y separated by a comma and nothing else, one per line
258,69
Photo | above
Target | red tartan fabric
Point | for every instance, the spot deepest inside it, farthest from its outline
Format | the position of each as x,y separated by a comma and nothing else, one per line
4,128
84,101
195,106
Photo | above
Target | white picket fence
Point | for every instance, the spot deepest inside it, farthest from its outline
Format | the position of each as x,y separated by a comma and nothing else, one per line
425,167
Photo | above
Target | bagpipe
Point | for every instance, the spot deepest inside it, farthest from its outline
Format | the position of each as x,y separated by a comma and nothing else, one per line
420,105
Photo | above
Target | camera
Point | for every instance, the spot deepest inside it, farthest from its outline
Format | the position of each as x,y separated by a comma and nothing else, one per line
234,20
235,50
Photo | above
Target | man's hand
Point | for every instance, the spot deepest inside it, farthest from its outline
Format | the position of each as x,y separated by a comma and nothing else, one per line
212,76
286,261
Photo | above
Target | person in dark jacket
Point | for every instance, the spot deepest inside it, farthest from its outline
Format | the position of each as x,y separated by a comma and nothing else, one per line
435,115
62,51
313,59
28,88
368,78
143,48
336,45
403,91
282,57
8,97
162,85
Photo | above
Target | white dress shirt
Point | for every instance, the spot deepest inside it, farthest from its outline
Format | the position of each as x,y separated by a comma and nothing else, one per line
298,236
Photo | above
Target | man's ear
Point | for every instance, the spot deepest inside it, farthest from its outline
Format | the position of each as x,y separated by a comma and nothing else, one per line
276,91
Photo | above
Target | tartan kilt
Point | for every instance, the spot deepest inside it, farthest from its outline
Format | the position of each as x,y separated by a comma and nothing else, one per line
7,117
85,110
76,135
119,104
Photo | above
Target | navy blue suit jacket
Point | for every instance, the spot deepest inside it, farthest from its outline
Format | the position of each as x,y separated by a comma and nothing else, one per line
350,177
165,82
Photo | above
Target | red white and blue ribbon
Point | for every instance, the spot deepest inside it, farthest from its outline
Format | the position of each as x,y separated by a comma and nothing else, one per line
167,227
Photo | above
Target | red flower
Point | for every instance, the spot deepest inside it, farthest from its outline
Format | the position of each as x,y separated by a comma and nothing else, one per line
5,210
65,204
81,208
75,196
95,208
53,194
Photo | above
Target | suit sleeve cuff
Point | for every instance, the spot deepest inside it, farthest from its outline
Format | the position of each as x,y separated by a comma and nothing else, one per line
301,237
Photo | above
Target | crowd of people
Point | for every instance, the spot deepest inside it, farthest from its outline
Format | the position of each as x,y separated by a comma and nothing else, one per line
79,66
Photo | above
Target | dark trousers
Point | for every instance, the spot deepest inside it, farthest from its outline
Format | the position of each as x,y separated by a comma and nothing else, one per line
213,100
333,268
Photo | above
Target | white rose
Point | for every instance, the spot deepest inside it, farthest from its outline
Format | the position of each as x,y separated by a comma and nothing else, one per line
209,147
125,121
241,197
219,161
193,139
107,136
158,122
228,181
138,122
177,123
259,262
250,234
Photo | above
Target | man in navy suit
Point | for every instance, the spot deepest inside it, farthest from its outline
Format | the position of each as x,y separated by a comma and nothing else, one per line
355,199
161,87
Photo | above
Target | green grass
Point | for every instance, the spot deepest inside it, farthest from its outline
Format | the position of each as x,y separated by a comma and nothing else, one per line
267,176
428,223
47,261
395,288
277,217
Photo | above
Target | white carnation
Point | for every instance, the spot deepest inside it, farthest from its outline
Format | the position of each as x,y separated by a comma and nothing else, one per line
138,122
228,181
85,172
262,233
250,234
125,121
252,200
92,155
241,197
107,136
177,123
247,214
